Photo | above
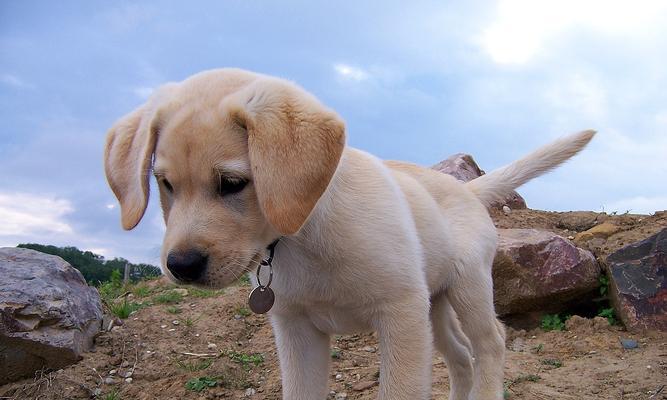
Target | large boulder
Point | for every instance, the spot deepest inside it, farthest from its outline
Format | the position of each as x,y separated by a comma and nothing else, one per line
464,168
48,314
540,271
638,283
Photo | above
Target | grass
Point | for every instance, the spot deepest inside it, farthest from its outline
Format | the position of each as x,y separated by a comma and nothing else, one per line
201,383
552,362
194,366
112,395
244,280
243,311
141,290
553,322
190,322
335,354
123,309
174,310
537,349
246,360
168,297
204,293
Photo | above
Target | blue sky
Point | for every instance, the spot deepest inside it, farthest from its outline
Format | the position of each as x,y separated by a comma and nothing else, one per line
415,81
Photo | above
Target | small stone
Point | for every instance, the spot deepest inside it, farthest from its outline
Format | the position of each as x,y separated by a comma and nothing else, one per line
126,374
183,292
341,396
163,326
124,364
176,322
109,381
506,210
211,346
237,316
172,330
112,372
570,237
250,392
339,377
97,392
369,349
518,345
629,344
128,380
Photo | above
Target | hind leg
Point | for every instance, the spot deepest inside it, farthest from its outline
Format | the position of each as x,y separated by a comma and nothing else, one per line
450,340
472,299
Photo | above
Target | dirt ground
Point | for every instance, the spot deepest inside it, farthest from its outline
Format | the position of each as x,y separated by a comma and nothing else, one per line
199,347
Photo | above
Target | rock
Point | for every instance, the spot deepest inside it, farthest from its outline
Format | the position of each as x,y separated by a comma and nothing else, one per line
339,377
464,168
48,314
250,392
183,292
361,386
580,221
369,349
518,345
211,346
341,396
603,231
507,210
109,381
536,270
638,283
128,380
629,344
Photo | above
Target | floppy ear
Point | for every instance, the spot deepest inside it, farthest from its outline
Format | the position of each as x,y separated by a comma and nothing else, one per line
294,145
127,162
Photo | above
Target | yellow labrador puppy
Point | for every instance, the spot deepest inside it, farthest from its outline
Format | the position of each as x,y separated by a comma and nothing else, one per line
243,159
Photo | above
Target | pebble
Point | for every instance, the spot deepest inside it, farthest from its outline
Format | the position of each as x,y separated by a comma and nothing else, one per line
172,330
211,346
109,381
97,392
339,377
369,349
250,392
127,374
341,395
112,372
163,326
518,345
361,386
125,364
176,322
181,291
507,210
629,344
128,380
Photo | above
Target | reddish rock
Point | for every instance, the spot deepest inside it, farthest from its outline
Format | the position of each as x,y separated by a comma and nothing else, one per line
464,168
638,283
538,270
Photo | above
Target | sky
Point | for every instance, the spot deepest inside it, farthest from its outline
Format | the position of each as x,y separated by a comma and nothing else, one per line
415,81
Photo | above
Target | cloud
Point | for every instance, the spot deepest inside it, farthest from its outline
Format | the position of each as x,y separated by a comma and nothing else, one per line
638,205
24,214
143,92
524,27
14,81
351,73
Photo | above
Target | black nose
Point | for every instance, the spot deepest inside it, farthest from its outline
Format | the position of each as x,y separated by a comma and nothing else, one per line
187,266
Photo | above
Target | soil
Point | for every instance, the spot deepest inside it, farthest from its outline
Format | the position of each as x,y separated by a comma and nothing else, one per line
162,349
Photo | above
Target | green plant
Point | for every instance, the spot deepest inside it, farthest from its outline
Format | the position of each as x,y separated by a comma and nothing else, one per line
194,366
336,354
112,395
246,360
141,290
199,384
609,314
174,310
123,309
537,349
243,311
168,297
552,322
603,280
204,293
190,322
552,362
244,280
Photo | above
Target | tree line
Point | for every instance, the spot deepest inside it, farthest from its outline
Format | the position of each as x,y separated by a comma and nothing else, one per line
94,268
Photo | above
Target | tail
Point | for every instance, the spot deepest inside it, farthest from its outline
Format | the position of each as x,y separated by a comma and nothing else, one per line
498,184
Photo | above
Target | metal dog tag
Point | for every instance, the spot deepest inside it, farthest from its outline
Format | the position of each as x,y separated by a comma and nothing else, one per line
261,299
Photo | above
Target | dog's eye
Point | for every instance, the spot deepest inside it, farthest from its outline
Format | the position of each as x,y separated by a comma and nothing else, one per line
167,185
229,185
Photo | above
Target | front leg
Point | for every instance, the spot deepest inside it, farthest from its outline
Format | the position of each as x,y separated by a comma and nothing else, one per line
303,351
406,349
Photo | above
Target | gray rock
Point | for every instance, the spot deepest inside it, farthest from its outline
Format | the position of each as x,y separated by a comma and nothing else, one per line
638,283
464,168
48,314
534,270
629,344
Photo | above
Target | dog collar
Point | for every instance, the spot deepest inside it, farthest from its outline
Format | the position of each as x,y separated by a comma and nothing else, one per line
261,298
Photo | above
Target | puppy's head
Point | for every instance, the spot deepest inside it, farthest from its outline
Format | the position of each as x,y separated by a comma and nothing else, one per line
240,159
